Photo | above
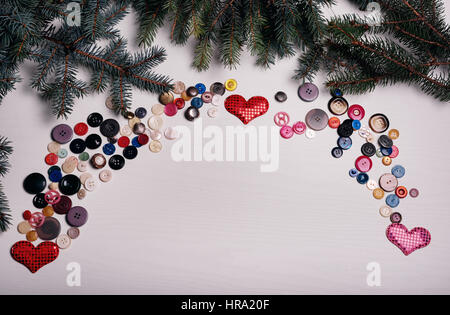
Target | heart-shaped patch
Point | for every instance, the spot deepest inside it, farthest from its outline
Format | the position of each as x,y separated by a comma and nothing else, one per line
32,257
246,111
408,241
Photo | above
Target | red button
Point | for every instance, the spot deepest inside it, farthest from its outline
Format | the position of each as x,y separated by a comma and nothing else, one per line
334,122
27,214
81,129
356,112
143,139
123,142
363,164
179,102
51,159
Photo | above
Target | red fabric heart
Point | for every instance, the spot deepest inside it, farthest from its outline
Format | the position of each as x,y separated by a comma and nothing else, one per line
246,111
408,241
34,257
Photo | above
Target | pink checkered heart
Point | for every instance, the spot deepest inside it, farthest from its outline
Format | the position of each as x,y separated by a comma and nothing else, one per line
408,241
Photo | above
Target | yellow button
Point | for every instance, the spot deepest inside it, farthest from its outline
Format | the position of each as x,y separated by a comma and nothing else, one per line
386,160
394,134
378,193
48,211
231,84
32,236
24,227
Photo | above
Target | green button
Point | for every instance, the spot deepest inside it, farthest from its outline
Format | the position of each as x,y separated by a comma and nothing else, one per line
84,156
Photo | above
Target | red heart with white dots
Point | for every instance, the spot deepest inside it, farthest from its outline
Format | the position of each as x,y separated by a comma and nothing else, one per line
32,257
246,111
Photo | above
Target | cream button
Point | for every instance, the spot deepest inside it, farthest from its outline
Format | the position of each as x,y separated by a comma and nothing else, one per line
155,146
53,186
63,241
125,131
81,194
310,133
155,135
371,184
179,87
171,133
84,177
212,112
133,121
158,109
385,211
90,184
105,176
388,182
109,103
155,122
24,227
53,147
69,165
83,166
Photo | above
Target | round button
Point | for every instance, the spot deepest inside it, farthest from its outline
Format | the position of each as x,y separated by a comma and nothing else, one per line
130,152
310,134
336,92
69,185
63,241
401,192
94,119
73,232
185,96
171,133
39,201
53,147
116,162
363,164
362,178
212,112
379,123
197,102
231,84
62,153
155,146
53,186
338,106
26,214
32,236
378,193
51,159
135,142
158,109
81,129
90,184
24,227
364,132
368,149
109,149
201,88
394,134
280,97
129,115
316,119
109,103
48,211
123,142
353,172
155,135
179,103
171,109
394,153
308,92
93,141
178,87
155,122
82,166
133,121
98,161
191,113
83,157
81,194
77,216
191,91
143,139
109,128
396,217
216,100
356,124
62,133
337,152
138,128
371,184
386,160
388,182
334,122
84,177
125,131
414,192
166,98
217,88
77,146
53,168
392,200
49,230
385,211
105,176
299,127
63,205
345,129
344,143
286,132
281,119
140,112
34,183
356,112
398,171
385,141
52,197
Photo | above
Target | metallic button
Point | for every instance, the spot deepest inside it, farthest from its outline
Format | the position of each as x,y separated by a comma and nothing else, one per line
191,113
386,160
191,92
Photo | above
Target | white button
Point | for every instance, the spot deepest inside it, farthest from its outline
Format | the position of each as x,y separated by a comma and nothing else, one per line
212,112
90,184
155,135
109,102
171,133
385,211
24,227
310,133
105,176
63,241
53,147
81,194
83,166
155,146
125,131
371,184
158,109
84,177
216,99
155,122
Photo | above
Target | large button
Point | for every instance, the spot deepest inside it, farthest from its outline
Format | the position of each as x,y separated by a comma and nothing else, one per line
155,146
77,216
116,162
398,171
345,129
337,152
171,109
392,200
63,205
191,113
344,143
316,119
39,201
356,112
139,128
110,128
93,141
217,88
55,176
388,182
63,241
62,133
155,122
379,123
130,152
94,119
34,183
363,164
385,141
49,230
338,106
77,146
368,149
308,92
201,88
69,185
191,91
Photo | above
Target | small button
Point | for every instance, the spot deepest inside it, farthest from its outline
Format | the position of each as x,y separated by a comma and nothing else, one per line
281,119
363,164
26,214
394,134
197,102
310,134
371,184
98,161
386,160
39,201
394,153
81,129
299,127
143,139
62,153
77,146
206,97
77,216
308,92
109,103
280,97
212,112
286,132
32,236
356,124
69,185
109,149
34,183
53,147
191,92
217,88
130,152
63,241
385,141
392,200
116,162
316,119
379,153
81,194
69,165
179,103
158,109
178,87
37,219
337,152
94,119
334,122
155,122
155,135
90,184
48,211
201,88
338,106
414,192
138,128
379,123
49,230
93,141
51,159
385,211
63,206
191,113
135,142
356,112
109,128
368,149
344,143
362,178
378,193
166,98
24,227
155,146
396,217
125,131
123,142
401,192
388,182
62,133
231,84
171,109
83,157
140,112
398,171
353,172
336,93
53,168
73,232
55,176
105,176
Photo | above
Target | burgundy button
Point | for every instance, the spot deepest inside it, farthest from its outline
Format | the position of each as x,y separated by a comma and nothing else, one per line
308,92
63,205
49,230
77,216
356,112
62,133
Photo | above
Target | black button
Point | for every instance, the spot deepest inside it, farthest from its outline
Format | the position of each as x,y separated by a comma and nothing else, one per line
281,96
191,113
63,205
140,112
113,140
192,91
69,185
34,183
368,149
385,141
94,119
77,146
53,168
345,129
93,141
217,88
39,201
337,152
130,152
109,128
116,162
49,230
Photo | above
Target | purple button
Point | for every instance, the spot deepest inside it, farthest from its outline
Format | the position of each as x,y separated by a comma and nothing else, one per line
77,216
308,92
62,133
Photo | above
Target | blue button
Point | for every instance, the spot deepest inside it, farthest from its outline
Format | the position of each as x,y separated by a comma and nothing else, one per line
201,88
344,143
337,93
109,149
135,142
55,176
386,151
197,102
392,200
362,178
356,124
398,171
353,172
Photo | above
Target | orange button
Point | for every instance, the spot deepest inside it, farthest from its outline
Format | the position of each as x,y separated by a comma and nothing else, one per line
401,191
48,211
32,236
334,122
378,193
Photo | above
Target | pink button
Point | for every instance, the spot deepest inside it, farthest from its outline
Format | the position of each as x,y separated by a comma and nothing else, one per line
363,164
394,153
170,109
281,119
286,132
52,197
299,127
37,219
356,112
